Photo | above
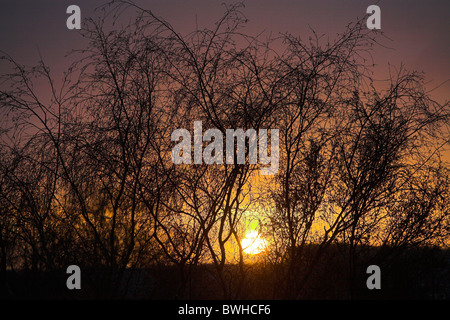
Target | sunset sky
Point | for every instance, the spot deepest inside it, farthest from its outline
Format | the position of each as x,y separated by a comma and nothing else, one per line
97,172
419,29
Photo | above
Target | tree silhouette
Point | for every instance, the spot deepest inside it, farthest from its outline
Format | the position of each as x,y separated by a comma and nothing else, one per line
87,177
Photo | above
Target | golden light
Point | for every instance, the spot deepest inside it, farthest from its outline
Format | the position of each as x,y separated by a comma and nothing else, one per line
253,243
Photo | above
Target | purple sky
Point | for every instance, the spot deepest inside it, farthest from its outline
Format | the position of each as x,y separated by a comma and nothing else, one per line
419,29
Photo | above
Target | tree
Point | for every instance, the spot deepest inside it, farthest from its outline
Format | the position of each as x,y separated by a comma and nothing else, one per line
347,149
88,177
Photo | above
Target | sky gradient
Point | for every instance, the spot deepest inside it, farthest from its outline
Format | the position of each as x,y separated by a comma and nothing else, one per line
419,30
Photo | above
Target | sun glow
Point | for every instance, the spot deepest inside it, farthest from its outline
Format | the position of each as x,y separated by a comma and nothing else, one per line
253,243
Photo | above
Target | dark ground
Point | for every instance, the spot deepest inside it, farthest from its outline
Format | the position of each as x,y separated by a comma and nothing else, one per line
407,274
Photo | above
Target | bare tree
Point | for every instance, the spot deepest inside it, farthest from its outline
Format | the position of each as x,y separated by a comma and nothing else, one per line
347,146
87,174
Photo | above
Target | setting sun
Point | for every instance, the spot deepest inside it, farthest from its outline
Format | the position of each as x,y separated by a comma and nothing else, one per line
252,243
